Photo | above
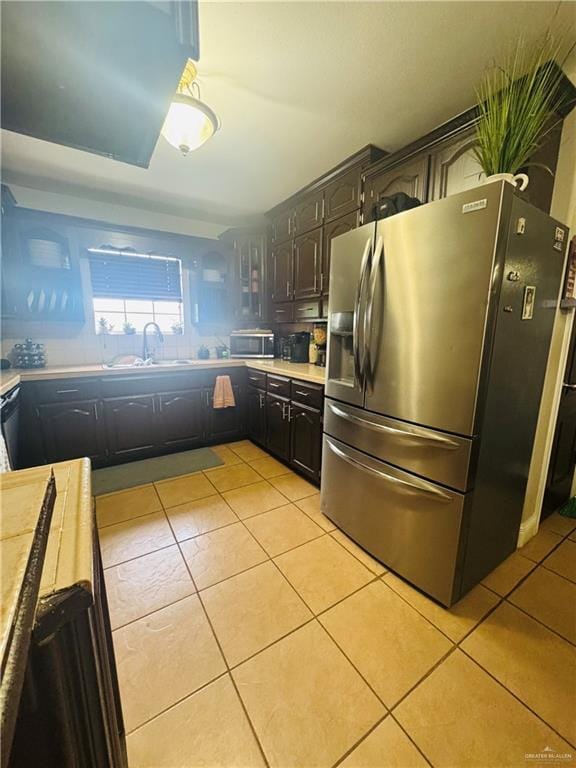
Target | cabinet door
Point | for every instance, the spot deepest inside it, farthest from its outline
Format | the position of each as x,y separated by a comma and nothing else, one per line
250,272
454,168
410,177
181,418
71,430
42,270
132,427
305,440
342,195
277,426
331,230
308,264
224,424
308,213
256,407
282,227
282,285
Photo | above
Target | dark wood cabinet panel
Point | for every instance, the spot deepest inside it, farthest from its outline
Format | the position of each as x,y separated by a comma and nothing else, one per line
563,456
282,286
132,430
454,167
181,418
308,214
307,310
410,177
282,226
305,440
282,313
40,268
308,264
224,423
71,430
277,426
343,195
256,415
331,230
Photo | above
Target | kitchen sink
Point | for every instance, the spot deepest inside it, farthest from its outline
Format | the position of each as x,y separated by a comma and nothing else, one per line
139,363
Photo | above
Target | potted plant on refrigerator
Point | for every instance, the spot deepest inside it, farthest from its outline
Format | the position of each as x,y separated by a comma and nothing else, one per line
518,102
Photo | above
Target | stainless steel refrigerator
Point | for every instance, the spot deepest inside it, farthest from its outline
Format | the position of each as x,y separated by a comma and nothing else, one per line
439,328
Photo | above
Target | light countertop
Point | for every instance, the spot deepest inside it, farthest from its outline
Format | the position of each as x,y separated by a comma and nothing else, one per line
68,558
302,371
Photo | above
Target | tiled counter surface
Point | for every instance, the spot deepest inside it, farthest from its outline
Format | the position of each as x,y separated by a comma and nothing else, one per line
302,371
68,558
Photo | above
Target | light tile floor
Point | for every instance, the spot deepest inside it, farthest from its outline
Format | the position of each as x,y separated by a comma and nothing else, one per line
250,632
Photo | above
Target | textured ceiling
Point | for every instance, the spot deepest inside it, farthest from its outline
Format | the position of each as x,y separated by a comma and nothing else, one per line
298,87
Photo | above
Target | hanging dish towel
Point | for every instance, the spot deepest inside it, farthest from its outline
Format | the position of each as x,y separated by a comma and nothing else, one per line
223,393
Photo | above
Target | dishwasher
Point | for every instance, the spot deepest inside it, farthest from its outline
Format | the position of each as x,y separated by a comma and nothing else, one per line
9,419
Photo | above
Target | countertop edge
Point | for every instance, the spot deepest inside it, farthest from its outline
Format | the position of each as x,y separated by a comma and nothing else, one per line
302,371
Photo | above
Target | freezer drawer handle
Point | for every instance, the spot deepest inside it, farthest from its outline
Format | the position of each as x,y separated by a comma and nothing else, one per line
404,484
450,445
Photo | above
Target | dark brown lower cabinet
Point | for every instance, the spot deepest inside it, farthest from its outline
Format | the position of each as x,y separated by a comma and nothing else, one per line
305,440
287,428
256,415
71,429
223,423
278,426
181,418
131,427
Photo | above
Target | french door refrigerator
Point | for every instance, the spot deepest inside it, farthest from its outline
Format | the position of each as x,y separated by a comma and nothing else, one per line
439,327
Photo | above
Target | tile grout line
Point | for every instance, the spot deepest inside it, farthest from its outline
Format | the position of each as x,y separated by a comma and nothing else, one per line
517,697
225,660
501,599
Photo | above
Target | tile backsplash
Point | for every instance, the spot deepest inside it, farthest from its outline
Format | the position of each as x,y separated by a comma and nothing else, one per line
89,347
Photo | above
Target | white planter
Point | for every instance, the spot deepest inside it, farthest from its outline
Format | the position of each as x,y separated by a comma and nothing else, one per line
519,180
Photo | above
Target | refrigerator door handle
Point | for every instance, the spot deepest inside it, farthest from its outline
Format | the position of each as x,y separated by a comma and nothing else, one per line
404,485
368,372
443,441
358,360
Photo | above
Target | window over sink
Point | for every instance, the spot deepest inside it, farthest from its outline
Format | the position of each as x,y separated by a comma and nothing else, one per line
131,289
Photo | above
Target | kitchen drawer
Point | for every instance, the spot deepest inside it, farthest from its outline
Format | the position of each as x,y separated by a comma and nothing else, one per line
437,456
307,310
66,390
278,385
409,524
256,378
283,313
307,394
125,386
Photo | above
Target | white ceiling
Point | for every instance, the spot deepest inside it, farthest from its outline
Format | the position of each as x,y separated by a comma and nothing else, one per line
298,86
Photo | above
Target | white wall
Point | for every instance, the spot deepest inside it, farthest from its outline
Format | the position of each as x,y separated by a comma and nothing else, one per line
70,205
564,209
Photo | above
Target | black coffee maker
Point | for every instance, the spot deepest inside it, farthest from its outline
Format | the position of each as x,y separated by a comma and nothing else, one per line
299,347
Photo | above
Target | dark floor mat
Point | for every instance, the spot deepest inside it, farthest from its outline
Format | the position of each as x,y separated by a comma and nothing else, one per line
123,476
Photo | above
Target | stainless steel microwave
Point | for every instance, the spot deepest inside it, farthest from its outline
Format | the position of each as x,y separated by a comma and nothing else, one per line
251,344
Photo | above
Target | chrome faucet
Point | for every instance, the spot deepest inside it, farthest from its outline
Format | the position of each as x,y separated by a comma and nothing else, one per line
145,352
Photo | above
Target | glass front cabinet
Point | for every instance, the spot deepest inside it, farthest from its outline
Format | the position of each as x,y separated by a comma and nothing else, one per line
250,250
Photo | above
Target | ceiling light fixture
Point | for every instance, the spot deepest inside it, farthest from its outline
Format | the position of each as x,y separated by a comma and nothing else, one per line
189,122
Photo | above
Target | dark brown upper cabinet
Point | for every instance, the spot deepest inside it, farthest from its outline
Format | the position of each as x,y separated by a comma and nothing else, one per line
281,273
308,213
454,167
282,227
410,177
343,195
308,264
331,230
40,269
